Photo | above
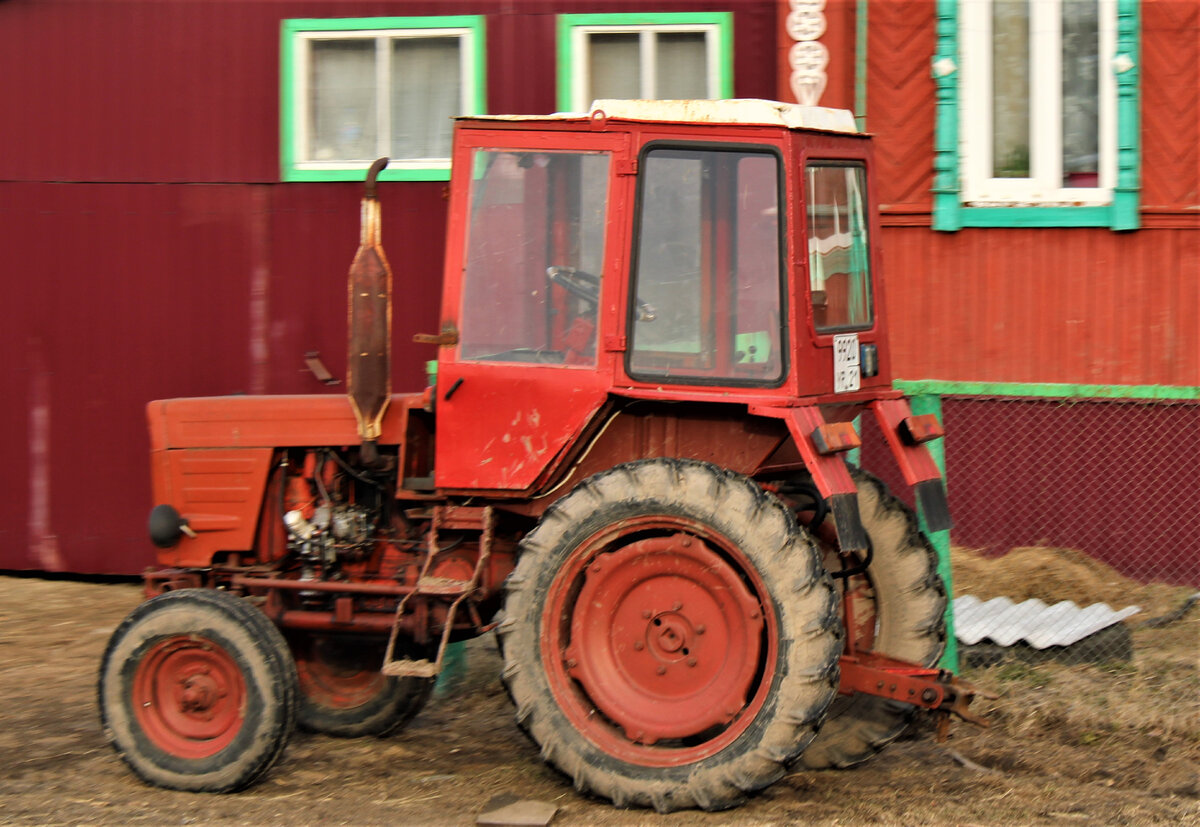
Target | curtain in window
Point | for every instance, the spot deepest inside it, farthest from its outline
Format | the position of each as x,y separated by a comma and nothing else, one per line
682,66
426,94
342,101
614,66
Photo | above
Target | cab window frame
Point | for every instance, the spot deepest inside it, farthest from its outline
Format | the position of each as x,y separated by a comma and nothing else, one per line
779,155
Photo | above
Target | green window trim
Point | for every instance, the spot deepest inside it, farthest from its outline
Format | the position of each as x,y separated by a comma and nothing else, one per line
951,214
568,59
1048,390
290,107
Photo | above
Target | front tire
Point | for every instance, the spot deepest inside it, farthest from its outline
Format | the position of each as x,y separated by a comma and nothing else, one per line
197,691
670,637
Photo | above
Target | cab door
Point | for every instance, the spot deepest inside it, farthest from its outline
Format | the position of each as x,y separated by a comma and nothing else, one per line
531,241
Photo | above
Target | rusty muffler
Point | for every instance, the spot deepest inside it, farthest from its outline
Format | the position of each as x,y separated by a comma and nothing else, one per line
369,352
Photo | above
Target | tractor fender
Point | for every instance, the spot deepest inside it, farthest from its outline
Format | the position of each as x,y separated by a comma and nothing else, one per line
828,471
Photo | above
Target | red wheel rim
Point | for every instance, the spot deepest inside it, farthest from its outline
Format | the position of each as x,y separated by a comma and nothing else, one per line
188,696
655,643
337,679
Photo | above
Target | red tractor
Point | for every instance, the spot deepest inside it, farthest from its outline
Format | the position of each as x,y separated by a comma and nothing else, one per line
659,323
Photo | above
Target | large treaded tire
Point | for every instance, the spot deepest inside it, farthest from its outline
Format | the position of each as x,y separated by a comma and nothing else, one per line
910,605
639,522
344,694
197,691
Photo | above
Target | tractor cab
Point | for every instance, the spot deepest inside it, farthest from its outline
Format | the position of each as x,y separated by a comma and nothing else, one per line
713,251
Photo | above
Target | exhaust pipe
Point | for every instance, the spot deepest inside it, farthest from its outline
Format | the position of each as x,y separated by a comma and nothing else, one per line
369,351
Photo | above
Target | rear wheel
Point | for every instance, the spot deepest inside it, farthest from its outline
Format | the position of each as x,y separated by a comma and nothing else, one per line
670,636
344,693
197,691
897,608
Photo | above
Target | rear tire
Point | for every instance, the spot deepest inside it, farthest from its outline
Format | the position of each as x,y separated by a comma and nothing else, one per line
670,637
900,602
343,692
197,691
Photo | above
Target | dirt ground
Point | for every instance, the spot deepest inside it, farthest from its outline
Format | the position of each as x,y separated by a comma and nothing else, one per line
1111,744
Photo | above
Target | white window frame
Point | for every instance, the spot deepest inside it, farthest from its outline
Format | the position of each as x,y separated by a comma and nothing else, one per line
575,43
1043,187
296,110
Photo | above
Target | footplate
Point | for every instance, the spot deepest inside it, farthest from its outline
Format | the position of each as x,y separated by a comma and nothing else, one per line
440,587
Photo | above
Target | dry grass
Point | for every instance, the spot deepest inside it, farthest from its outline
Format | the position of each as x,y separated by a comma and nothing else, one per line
1158,694
1054,574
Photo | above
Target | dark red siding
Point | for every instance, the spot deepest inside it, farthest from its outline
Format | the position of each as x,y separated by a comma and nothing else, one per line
150,251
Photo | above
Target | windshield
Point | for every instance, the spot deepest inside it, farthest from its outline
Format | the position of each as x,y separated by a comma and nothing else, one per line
535,252
707,288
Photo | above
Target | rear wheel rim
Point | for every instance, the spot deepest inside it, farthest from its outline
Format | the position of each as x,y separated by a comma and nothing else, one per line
189,694
655,641
337,682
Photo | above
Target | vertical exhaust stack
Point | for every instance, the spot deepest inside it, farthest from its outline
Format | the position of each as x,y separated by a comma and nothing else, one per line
369,352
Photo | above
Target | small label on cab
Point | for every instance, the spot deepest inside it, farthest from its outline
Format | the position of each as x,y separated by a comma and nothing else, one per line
845,363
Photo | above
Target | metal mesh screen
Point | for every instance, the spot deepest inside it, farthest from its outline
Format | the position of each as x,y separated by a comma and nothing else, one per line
1089,501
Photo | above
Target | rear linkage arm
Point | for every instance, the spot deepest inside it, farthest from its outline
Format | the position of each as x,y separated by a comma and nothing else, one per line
935,689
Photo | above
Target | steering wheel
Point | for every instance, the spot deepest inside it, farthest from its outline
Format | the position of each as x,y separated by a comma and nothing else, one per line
578,283
586,286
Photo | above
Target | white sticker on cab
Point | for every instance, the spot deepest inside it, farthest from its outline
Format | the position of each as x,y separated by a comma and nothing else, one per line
846,375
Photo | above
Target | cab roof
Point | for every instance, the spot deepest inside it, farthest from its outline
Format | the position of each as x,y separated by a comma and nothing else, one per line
736,111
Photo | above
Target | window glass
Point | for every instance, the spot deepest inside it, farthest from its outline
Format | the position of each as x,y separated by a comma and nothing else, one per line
661,56
1038,114
614,66
707,287
839,263
535,254
426,93
1081,94
342,99
682,66
1010,89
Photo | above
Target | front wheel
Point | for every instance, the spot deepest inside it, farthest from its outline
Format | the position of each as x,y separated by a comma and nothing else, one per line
197,691
670,636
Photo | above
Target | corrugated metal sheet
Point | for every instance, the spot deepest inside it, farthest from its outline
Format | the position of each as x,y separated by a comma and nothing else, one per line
1032,621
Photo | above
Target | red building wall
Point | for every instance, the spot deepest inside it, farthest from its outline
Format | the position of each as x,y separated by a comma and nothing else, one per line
150,251
1077,305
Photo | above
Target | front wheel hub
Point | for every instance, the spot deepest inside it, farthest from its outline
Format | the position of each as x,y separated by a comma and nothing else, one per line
188,696
666,639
